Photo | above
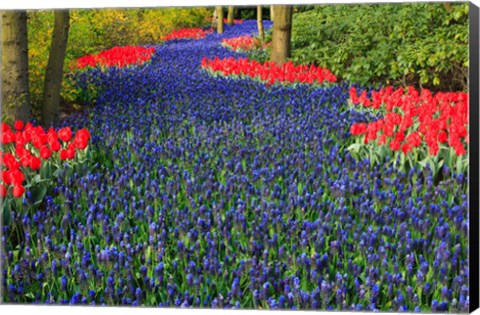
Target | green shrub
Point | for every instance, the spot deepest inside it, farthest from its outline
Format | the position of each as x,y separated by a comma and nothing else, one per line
420,44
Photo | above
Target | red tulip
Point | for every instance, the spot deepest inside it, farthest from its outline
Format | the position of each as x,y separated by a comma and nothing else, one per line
55,146
18,190
245,43
7,136
433,149
269,72
25,158
395,145
442,137
35,163
358,129
187,33
400,136
18,125
65,134
116,56
440,118
5,127
406,148
7,177
21,139
45,152
414,139
81,138
10,161
63,154
372,134
13,177
460,149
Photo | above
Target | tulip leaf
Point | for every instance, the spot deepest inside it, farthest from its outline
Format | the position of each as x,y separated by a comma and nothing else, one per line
424,162
38,193
460,165
6,216
354,150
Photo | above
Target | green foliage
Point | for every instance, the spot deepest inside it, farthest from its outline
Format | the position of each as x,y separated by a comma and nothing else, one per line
303,8
263,49
247,12
421,44
419,158
94,30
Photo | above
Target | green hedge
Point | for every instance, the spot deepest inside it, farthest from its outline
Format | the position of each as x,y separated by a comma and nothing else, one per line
421,44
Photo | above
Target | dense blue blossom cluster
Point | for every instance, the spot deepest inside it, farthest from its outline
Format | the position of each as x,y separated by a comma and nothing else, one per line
224,193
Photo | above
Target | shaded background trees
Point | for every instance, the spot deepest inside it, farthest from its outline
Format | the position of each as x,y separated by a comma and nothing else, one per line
16,101
90,31
15,88
220,23
261,32
54,72
230,15
281,36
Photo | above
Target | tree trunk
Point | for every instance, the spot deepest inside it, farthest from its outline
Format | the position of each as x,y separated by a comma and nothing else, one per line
54,72
231,11
214,19
282,32
272,14
15,93
219,19
261,33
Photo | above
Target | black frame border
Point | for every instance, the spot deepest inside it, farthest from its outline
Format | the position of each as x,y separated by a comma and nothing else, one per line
474,276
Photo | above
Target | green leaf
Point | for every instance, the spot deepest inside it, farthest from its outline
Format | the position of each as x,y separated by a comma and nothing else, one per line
30,295
460,164
6,213
438,167
355,148
153,300
36,179
300,188
38,193
432,165
402,161
423,163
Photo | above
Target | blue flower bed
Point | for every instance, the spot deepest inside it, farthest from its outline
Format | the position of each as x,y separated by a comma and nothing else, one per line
225,193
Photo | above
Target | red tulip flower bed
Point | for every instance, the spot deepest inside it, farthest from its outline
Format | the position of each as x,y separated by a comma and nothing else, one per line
27,149
415,123
116,57
187,33
225,20
234,21
268,72
244,43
